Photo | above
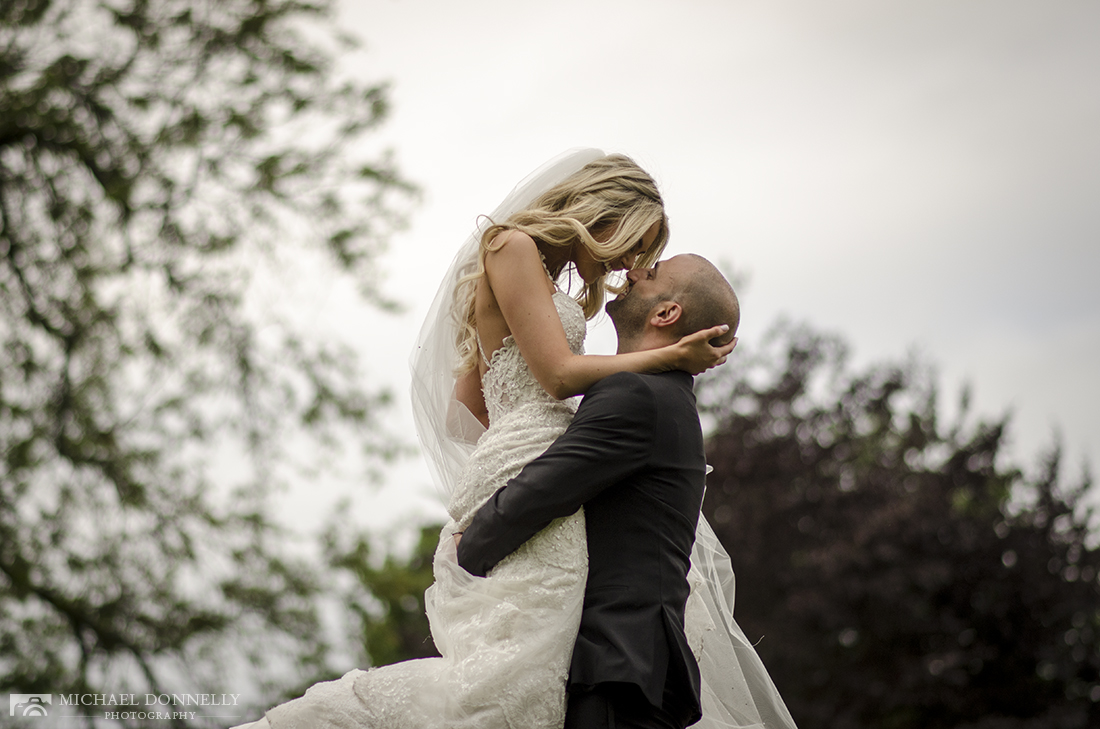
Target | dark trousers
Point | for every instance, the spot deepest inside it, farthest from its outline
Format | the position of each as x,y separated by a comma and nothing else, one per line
616,706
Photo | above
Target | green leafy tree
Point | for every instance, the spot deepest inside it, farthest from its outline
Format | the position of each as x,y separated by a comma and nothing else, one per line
898,573
159,161
386,598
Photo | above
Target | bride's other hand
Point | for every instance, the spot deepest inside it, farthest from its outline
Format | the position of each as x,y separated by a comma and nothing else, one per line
695,353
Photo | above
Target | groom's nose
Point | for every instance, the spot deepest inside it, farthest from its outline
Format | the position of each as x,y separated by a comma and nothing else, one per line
634,274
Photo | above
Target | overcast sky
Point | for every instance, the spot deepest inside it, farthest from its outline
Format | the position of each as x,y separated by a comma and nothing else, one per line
919,176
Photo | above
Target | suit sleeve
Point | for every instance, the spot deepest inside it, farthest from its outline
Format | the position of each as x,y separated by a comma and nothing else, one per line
609,439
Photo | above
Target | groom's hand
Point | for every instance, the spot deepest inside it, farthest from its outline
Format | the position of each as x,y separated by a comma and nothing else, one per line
458,538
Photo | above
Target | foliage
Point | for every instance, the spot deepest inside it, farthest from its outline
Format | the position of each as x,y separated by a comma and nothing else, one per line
896,573
154,156
386,599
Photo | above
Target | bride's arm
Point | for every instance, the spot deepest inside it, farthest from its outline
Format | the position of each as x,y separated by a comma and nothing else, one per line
518,281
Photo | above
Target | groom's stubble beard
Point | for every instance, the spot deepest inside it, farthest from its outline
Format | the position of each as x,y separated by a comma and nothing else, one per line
629,314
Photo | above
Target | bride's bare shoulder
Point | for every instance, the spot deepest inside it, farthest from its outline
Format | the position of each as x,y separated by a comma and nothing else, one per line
514,255
512,244
515,273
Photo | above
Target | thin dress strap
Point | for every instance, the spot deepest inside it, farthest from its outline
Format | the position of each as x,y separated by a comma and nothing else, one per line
481,347
554,281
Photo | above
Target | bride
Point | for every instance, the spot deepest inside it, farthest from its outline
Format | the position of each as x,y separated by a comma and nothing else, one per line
499,356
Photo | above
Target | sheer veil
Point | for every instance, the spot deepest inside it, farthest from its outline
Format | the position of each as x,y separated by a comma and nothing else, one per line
736,689
447,430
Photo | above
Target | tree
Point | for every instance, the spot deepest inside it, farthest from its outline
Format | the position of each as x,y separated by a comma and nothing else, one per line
897,573
157,160
386,599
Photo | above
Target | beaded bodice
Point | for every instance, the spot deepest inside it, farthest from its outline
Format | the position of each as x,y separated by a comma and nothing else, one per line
523,417
509,384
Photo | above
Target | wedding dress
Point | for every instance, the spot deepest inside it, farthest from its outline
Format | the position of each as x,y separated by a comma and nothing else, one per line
506,640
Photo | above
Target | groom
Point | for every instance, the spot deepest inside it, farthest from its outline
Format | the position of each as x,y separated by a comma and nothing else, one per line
633,457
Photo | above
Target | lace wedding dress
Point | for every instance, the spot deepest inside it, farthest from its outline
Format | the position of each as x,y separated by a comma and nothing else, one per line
506,640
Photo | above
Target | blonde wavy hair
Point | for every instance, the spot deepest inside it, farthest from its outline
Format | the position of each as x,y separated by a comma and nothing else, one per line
608,194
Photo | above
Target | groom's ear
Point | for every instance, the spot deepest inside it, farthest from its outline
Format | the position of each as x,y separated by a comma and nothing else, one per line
665,314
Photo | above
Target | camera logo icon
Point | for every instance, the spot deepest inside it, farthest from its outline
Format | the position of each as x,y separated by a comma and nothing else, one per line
29,704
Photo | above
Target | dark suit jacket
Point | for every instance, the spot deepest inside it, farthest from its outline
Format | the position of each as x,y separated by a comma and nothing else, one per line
633,456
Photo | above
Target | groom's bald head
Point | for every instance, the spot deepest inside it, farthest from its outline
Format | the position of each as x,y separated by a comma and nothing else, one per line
677,297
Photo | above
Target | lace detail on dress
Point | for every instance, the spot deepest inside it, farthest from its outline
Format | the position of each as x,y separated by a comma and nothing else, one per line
524,419
509,383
